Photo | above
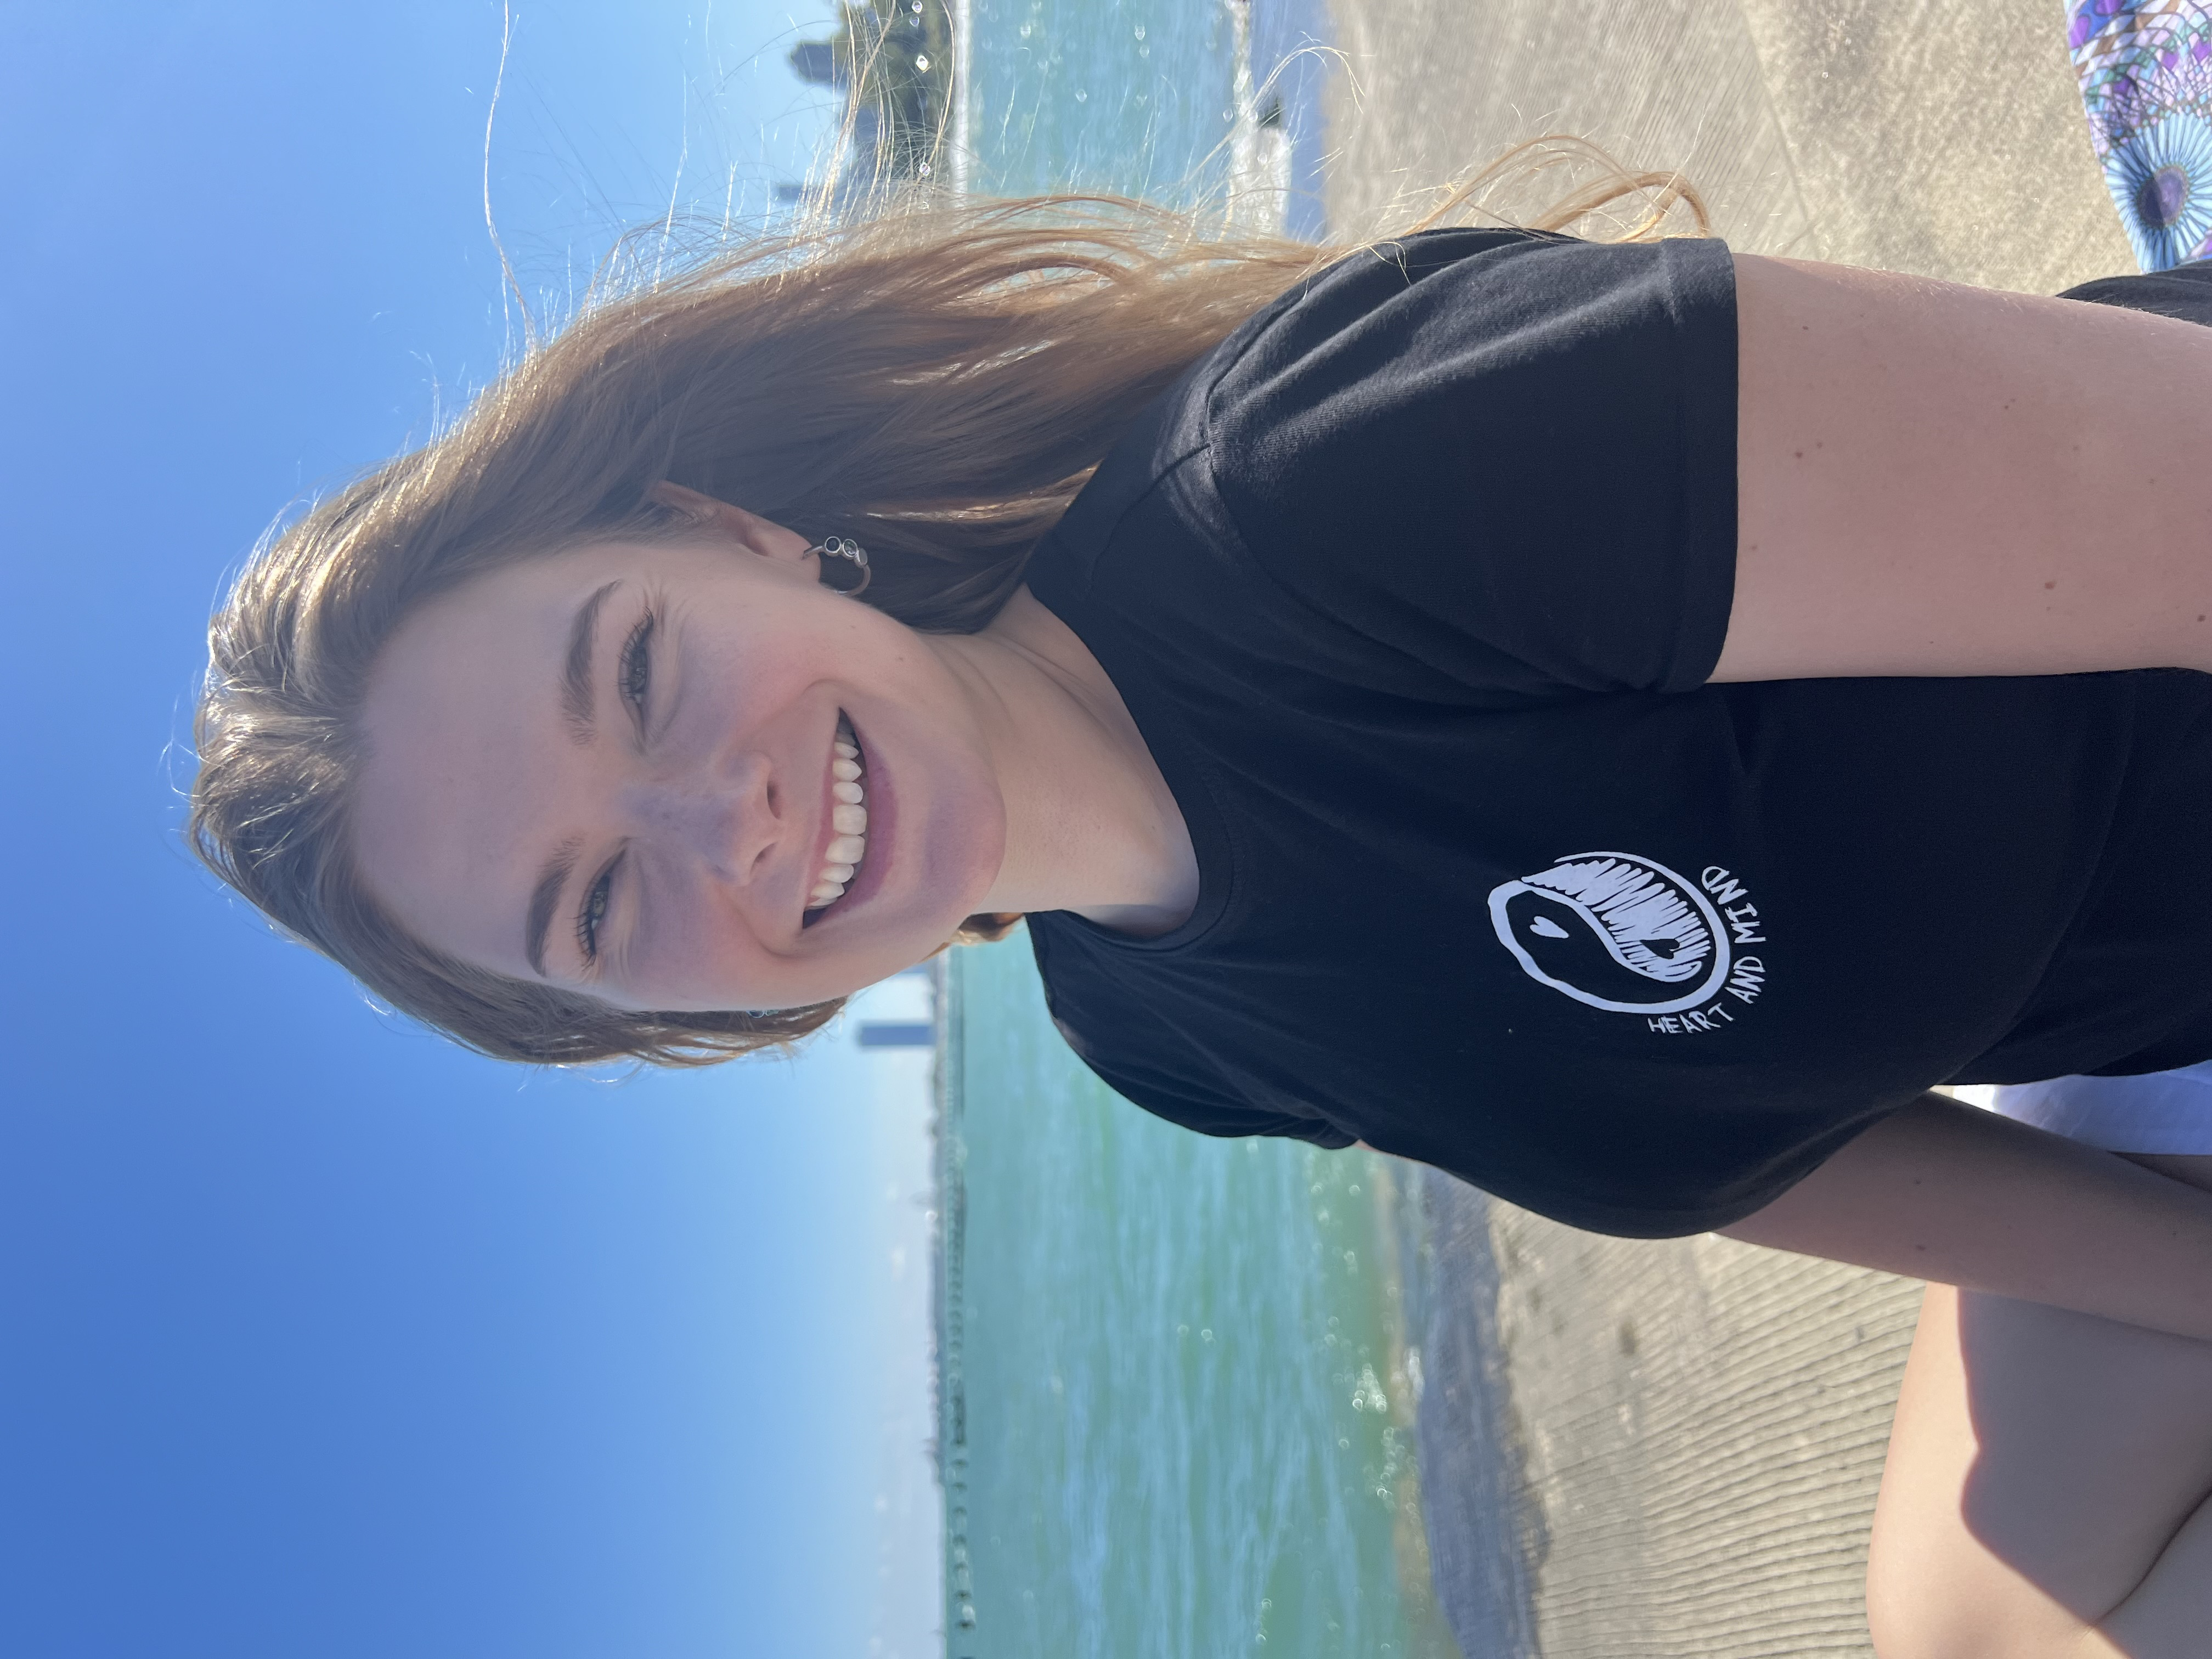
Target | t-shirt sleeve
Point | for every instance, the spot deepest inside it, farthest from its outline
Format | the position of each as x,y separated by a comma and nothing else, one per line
1507,455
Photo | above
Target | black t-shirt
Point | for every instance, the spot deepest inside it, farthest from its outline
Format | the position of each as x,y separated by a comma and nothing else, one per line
1413,587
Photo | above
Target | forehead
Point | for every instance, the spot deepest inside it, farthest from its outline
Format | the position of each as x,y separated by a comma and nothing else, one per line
468,757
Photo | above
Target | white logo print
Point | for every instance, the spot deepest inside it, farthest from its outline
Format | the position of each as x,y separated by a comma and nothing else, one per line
1627,934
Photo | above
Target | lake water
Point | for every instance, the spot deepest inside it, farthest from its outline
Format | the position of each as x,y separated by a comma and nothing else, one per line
1178,1399
1170,100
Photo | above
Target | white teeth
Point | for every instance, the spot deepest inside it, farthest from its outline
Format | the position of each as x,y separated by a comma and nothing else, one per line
848,818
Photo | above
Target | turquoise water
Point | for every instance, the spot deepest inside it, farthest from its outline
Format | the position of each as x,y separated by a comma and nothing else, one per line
1143,97
1076,94
1178,1416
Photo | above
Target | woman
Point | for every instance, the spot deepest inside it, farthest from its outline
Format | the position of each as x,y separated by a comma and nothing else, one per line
1491,695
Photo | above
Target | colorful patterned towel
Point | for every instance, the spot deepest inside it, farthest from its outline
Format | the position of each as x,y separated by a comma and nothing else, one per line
2145,67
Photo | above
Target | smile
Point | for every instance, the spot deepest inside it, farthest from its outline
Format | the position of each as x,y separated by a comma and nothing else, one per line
848,818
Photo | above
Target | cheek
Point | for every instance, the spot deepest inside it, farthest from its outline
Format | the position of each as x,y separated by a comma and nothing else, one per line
702,957
750,683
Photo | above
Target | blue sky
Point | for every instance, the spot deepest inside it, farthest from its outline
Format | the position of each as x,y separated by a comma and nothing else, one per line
322,1337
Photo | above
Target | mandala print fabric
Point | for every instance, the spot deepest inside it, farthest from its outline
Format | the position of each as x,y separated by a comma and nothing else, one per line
2145,67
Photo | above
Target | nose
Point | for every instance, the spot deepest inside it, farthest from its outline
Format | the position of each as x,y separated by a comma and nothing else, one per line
726,823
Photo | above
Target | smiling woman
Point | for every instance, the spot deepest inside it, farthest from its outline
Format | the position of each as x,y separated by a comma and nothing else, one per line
637,771
558,735
411,753
1478,694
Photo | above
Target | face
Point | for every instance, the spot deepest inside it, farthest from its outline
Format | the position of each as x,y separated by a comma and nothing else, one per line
621,769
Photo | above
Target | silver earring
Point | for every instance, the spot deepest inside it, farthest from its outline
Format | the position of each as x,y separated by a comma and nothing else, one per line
838,547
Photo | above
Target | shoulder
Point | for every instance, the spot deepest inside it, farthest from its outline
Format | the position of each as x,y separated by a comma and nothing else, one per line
1391,316
1505,455
1518,359
1099,1003
1428,309
1416,467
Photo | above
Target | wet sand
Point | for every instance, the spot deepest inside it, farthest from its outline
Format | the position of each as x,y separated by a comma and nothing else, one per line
1636,1448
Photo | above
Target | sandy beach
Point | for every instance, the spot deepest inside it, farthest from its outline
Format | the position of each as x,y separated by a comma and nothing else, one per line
1943,139
1695,1429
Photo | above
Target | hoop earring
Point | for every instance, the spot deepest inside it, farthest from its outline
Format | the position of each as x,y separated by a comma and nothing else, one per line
838,547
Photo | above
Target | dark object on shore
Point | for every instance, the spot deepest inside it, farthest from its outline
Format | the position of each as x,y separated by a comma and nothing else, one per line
1485,1541
893,60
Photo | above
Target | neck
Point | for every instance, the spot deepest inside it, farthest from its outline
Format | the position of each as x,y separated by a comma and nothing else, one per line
1092,825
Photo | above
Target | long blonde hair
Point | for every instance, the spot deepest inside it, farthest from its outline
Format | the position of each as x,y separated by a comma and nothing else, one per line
937,379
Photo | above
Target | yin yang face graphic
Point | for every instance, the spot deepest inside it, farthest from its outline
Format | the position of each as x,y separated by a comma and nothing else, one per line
1614,931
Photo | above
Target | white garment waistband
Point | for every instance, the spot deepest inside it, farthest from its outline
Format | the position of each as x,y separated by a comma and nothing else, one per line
2157,1112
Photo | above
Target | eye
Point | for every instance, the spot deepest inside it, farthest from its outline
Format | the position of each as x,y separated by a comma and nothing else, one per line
593,912
633,670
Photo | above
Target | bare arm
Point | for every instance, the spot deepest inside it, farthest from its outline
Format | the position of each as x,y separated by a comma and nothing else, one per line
1943,1191
1938,480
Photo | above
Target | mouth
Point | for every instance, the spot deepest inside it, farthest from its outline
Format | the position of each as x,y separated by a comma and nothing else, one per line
846,847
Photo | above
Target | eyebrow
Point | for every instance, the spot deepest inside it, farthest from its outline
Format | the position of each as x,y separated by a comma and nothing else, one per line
576,679
546,896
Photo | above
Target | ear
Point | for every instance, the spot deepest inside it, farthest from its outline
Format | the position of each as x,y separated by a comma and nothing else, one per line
749,529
